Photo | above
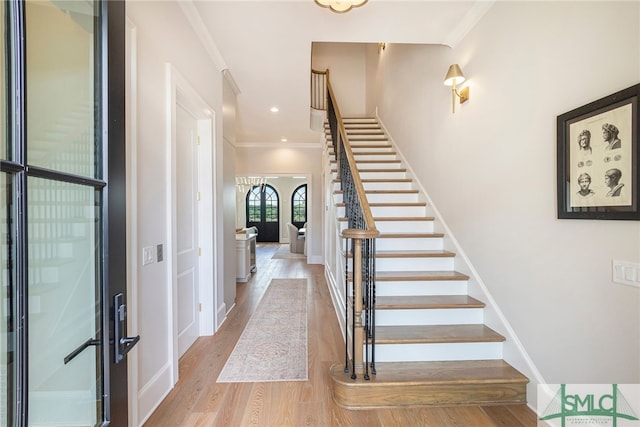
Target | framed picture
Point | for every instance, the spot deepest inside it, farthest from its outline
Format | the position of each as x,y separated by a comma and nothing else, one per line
598,158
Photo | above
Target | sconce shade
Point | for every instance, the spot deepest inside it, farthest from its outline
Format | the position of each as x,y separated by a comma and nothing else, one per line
340,6
454,76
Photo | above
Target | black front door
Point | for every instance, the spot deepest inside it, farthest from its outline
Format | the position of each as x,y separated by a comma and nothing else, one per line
62,182
263,212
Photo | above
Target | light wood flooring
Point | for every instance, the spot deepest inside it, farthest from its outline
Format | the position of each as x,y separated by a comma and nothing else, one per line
197,400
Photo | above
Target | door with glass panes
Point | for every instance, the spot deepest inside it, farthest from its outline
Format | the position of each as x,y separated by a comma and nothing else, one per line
61,148
263,212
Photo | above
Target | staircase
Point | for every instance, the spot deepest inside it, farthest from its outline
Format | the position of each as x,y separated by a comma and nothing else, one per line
432,347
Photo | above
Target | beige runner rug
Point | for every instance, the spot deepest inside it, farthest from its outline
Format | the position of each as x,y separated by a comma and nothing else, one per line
283,252
273,345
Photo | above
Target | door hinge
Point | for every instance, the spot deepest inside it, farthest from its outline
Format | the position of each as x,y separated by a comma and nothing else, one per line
199,251
198,140
198,196
200,307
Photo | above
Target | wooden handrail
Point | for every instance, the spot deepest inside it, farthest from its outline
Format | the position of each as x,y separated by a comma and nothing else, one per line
357,182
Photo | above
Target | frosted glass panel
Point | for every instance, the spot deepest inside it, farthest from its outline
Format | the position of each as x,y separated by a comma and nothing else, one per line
60,86
64,304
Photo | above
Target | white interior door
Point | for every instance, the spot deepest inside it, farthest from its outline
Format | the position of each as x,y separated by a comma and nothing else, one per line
187,227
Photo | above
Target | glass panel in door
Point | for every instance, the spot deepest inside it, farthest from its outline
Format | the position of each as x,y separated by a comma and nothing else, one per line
61,102
66,366
7,302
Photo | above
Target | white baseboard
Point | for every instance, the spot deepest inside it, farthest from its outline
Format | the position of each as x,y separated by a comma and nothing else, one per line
153,392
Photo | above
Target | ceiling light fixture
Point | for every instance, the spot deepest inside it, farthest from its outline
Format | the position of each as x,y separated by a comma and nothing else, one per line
274,109
340,6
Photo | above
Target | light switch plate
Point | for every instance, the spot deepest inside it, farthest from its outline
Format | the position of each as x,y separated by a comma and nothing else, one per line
148,255
626,272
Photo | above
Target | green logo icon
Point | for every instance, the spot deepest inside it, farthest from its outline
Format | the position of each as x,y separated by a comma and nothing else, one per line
592,408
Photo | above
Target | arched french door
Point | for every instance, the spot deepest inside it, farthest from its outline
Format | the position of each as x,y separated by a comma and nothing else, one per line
263,212
299,206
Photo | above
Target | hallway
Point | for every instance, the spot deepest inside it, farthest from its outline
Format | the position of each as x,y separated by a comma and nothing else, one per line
197,400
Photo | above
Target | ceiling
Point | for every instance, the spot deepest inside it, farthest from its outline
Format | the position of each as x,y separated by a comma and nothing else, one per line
266,47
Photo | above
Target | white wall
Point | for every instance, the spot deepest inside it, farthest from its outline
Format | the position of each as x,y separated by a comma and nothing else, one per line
346,63
293,160
162,34
491,171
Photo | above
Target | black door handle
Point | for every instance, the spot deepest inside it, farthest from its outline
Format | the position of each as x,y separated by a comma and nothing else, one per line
80,349
122,343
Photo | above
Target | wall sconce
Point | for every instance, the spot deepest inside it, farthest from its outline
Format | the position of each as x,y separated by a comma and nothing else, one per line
453,78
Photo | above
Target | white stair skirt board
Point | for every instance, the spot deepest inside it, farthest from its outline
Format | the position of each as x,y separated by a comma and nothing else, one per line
437,352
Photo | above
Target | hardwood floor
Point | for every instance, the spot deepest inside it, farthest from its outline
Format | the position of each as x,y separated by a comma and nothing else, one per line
197,400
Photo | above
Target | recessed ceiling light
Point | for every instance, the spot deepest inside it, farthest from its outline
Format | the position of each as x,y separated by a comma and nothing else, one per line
274,109
283,140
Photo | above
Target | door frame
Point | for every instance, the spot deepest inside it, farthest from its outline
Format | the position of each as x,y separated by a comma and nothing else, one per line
132,213
179,90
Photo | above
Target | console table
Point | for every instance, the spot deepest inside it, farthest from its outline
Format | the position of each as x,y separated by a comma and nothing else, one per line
246,256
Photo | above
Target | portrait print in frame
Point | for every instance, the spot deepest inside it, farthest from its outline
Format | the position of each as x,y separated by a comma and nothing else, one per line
598,159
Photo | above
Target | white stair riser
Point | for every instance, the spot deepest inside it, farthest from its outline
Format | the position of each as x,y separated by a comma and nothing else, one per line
388,185
409,243
357,144
404,226
383,185
390,174
444,316
392,197
427,287
414,264
374,157
399,226
378,165
438,352
390,211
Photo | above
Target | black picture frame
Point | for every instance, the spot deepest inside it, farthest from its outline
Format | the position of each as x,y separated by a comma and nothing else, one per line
598,157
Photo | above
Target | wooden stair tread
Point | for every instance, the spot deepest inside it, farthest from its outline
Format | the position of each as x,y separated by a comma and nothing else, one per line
395,218
383,192
405,218
391,161
444,372
378,180
412,254
376,170
359,146
392,204
410,235
388,276
427,302
371,153
435,334
412,384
